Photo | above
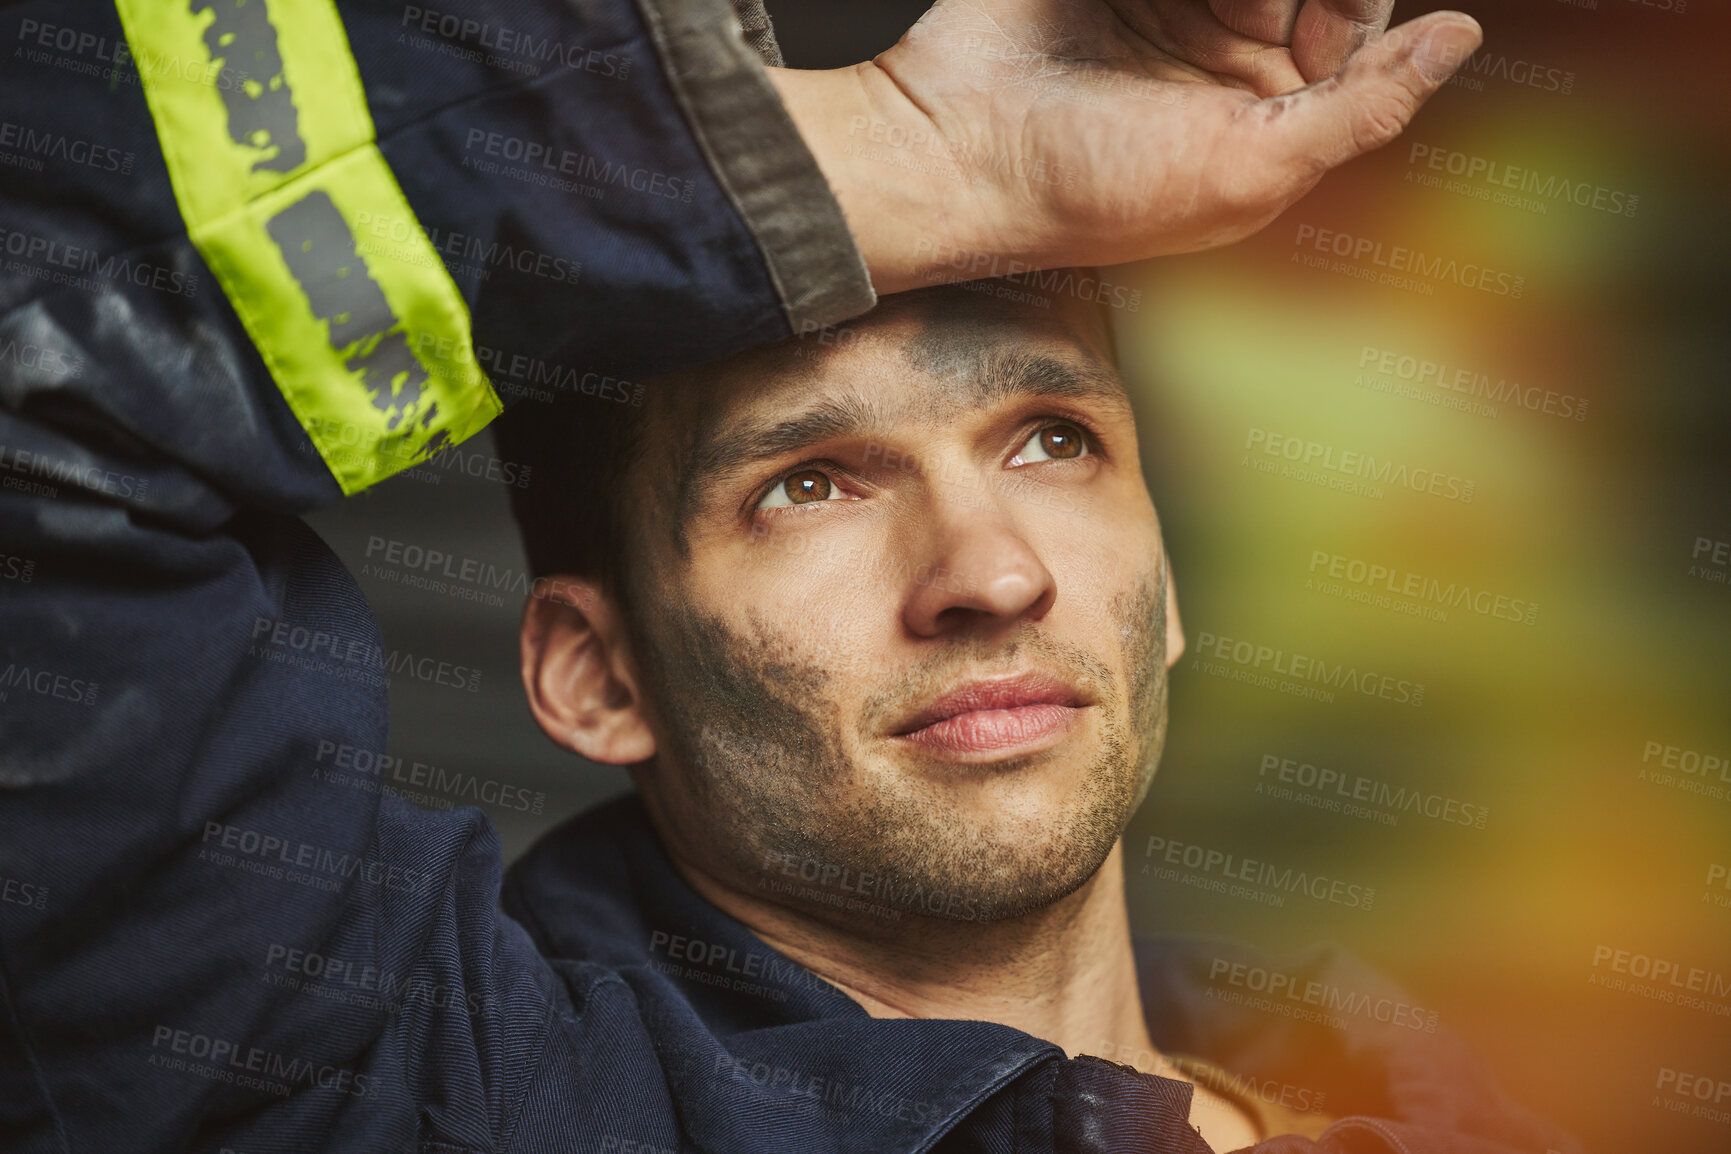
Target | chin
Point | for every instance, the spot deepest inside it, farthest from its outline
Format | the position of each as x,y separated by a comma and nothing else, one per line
1028,866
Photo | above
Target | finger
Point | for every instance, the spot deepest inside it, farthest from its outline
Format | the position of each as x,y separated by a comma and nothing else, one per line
1195,35
1369,102
1270,21
1328,31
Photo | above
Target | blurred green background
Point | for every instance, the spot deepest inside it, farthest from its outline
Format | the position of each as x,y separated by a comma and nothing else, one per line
1596,521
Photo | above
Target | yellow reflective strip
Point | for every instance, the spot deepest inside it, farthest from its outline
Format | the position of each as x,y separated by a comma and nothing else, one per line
264,127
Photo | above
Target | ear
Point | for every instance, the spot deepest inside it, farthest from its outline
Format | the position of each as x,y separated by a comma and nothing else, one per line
577,672
1174,627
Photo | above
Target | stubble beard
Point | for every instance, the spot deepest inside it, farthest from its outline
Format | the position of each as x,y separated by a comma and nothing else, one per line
793,814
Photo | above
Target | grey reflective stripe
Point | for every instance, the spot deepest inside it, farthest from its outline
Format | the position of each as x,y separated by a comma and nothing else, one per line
320,251
271,146
243,42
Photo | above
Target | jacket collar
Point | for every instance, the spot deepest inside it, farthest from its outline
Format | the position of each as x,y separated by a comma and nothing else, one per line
742,1032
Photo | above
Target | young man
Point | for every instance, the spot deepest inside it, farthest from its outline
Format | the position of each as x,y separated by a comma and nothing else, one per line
895,615
881,624
882,630
276,251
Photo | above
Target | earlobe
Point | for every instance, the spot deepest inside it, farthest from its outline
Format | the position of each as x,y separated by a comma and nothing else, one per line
576,673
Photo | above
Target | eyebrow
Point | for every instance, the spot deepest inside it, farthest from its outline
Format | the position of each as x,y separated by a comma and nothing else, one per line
1001,376
996,377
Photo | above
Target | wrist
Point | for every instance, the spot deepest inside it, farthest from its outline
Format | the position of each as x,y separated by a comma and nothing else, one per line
918,213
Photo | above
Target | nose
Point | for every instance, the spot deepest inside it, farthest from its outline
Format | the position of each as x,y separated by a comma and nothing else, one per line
978,568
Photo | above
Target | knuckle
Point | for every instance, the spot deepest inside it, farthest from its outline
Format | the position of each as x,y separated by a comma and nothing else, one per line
1379,119
1372,14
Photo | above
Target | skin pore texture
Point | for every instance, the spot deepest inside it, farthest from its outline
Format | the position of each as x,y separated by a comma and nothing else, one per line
939,675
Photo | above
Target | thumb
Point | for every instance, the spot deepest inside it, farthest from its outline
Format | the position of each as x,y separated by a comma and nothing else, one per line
1369,102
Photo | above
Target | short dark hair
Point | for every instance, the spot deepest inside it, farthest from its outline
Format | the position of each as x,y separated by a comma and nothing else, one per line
577,450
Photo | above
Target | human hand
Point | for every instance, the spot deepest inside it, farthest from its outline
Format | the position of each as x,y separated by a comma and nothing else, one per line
1087,132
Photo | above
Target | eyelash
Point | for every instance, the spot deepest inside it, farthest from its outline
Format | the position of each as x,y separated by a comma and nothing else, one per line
1090,440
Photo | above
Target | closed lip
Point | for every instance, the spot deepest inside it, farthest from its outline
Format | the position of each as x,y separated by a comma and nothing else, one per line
1018,692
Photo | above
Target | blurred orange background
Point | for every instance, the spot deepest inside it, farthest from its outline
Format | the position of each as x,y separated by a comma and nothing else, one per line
1461,419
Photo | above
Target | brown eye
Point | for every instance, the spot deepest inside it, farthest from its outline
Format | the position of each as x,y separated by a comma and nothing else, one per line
1061,441
808,485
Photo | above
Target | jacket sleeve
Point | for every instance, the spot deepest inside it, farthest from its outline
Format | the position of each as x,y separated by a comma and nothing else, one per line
217,929
299,245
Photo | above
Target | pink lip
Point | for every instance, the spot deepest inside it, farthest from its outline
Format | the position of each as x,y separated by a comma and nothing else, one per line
995,717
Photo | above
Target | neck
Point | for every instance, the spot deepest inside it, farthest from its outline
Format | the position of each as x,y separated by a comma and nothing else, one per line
1064,973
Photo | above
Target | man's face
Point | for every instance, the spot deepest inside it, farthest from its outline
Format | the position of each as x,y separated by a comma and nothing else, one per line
898,609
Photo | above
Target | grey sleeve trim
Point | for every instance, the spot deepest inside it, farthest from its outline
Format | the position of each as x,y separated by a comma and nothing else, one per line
759,31
760,161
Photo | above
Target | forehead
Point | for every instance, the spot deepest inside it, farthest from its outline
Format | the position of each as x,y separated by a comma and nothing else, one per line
926,358
929,355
